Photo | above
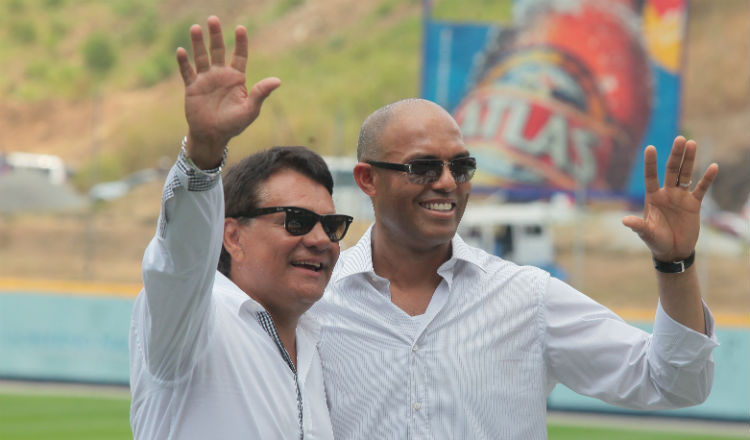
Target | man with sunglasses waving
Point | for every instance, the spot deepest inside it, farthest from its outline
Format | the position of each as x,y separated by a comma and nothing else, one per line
425,337
231,353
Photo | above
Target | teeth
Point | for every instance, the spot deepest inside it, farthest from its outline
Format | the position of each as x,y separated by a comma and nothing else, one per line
311,264
444,206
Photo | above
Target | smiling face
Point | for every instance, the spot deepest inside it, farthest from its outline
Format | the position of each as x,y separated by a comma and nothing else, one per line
419,216
284,273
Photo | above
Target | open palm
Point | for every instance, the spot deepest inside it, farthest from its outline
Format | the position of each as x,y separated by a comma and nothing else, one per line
671,217
218,105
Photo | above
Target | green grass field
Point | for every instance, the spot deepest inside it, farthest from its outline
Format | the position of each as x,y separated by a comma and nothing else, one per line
26,417
35,416
584,433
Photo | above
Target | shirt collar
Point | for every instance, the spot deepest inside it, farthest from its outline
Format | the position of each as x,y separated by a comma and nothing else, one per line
240,302
235,297
358,259
464,252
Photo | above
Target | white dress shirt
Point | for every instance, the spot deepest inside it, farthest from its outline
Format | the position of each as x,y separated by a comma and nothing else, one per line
480,362
201,364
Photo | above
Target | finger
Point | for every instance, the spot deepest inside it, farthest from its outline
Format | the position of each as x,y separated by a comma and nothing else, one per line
688,161
705,183
186,70
239,57
200,57
216,41
650,173
673,163
636,224
261,90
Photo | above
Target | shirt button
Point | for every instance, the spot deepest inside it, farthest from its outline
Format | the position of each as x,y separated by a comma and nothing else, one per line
417,406
415,348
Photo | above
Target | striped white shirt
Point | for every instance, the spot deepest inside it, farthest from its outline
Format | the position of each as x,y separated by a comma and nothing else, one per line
205,362
492,344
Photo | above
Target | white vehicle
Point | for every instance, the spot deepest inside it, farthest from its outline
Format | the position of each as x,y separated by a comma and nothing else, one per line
518,232
50,166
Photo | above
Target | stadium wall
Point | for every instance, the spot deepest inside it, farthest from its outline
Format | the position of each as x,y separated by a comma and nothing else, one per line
83,337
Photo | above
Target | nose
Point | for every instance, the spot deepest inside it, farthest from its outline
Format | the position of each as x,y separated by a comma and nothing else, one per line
446,182
317,238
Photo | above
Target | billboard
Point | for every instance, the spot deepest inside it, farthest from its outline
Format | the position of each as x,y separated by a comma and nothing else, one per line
565,97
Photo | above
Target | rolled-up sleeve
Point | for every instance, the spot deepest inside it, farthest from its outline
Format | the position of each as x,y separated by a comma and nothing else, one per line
684,356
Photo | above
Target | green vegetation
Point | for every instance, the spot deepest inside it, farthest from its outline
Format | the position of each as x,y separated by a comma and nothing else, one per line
41,417
99,54
475,10
27,417
333,77
584,433
284,6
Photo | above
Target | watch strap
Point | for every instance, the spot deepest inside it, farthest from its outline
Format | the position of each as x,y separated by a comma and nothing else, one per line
674,266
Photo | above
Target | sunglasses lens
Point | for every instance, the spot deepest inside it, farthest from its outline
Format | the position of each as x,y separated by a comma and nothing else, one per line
299,223
425,171
335,226
463,169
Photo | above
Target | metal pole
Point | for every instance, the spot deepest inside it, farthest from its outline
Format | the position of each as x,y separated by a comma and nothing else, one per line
579,244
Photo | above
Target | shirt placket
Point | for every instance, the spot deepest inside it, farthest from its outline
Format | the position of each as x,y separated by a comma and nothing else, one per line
265,320
418,420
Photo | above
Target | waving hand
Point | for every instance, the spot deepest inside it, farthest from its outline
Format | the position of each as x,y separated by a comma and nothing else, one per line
671,218
218,105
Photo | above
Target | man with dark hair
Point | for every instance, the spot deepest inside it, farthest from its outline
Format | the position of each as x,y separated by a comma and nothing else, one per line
424,336
242,180
231,353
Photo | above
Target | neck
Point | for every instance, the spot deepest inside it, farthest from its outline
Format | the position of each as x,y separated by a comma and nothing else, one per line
406,265
284,319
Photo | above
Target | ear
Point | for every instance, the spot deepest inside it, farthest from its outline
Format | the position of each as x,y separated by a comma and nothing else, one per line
365,178
231,239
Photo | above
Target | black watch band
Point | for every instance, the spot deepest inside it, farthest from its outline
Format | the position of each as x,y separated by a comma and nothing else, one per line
674,266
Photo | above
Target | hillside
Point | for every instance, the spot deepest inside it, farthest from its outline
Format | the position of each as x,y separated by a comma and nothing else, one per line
128,116
338,60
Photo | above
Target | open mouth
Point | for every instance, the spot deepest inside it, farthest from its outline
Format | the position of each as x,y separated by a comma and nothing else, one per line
438,206
309,265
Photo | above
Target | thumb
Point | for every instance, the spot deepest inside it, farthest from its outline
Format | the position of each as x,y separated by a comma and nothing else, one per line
260,91
636,224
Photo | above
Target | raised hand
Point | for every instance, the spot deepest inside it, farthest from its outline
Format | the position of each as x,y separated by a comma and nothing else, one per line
671,218
218,105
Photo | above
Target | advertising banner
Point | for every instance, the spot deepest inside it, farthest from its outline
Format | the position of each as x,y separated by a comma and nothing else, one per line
565,97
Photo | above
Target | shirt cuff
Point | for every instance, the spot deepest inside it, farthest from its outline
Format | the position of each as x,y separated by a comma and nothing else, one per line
184,174
680,345
198,179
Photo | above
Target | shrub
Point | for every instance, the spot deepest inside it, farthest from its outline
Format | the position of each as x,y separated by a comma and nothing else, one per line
99,54
24,32
147,28
155,69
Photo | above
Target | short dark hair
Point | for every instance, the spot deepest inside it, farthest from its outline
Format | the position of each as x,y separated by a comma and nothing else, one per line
243,180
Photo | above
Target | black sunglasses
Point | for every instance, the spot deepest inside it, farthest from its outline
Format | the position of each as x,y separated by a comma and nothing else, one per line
300,221
428,171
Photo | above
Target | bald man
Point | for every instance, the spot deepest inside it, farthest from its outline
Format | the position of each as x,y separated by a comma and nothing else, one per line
424,336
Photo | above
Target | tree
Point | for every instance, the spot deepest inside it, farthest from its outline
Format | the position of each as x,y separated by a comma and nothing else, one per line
99,54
